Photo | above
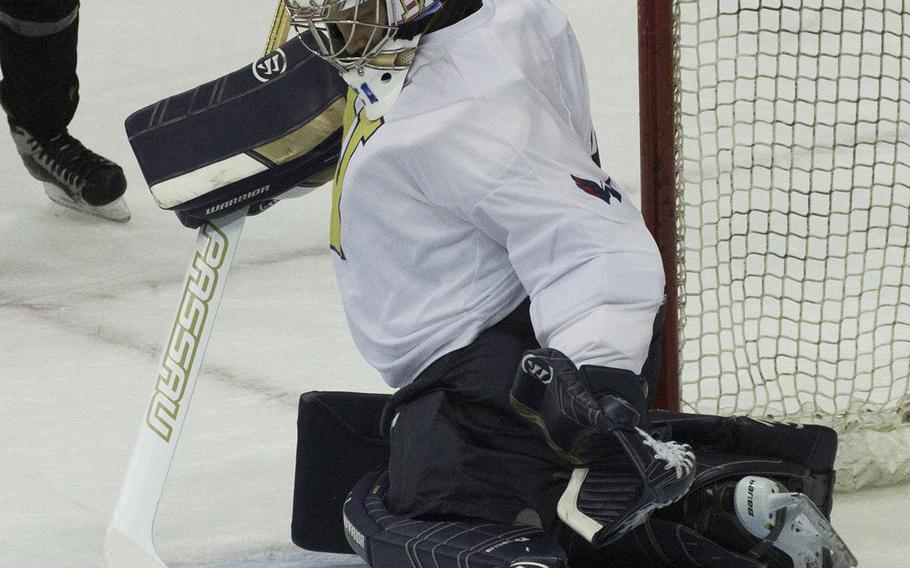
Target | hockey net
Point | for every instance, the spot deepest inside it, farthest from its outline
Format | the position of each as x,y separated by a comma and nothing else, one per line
788,127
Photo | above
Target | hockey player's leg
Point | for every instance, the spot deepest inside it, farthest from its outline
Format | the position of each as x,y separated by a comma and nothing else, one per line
38,40
596,419
73,175
458,450
458,453
40,93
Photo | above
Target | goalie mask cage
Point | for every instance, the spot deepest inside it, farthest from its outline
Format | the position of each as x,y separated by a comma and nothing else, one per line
776,179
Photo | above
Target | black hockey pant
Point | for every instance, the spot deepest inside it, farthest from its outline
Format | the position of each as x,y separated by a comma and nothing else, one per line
459,450
40,89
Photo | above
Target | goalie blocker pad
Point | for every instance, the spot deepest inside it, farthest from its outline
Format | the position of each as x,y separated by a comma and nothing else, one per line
244,138
340,442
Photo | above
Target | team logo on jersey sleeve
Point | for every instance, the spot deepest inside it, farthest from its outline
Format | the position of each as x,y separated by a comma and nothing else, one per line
604,190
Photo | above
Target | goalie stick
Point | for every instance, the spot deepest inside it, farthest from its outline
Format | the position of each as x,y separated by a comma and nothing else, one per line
129,542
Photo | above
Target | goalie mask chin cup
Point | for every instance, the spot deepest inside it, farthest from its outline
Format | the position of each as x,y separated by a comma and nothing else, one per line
358,37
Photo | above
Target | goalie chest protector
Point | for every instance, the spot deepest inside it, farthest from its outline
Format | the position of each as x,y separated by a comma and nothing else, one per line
243,138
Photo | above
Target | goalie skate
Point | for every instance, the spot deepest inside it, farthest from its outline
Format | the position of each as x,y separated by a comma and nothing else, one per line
791,523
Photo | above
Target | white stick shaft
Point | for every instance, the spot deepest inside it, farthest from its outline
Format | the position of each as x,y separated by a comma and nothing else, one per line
129,542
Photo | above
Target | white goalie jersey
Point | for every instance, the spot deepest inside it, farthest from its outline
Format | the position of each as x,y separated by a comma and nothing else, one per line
478,190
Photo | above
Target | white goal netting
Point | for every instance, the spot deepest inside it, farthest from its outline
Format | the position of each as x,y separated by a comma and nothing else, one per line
794,219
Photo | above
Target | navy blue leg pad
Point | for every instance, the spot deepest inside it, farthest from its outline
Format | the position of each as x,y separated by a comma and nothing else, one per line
385,540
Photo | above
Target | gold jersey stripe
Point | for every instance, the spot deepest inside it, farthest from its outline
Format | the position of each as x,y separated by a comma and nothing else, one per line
357,131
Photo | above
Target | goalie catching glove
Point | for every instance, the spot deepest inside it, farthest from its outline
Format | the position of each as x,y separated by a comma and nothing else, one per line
596,419
245,139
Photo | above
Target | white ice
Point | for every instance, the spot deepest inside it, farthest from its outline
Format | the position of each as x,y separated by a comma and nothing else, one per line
85,305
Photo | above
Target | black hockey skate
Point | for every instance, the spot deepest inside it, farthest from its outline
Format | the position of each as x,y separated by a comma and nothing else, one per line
73,175
596,420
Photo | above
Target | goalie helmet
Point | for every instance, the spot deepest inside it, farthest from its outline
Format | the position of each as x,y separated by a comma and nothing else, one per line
361,39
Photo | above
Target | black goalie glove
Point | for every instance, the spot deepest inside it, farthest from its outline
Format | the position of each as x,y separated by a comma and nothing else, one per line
596,419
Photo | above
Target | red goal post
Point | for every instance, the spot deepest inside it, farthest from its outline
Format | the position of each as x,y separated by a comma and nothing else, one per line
657,108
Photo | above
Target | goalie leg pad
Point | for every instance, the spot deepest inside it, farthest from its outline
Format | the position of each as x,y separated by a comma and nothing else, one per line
384,540
338,441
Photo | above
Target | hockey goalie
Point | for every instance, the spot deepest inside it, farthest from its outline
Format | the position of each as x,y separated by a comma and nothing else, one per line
507,287
505,284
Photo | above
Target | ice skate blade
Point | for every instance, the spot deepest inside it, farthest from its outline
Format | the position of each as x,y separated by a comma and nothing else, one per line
116,210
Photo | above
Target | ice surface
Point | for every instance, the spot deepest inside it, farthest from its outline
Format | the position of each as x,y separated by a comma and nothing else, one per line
85,305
